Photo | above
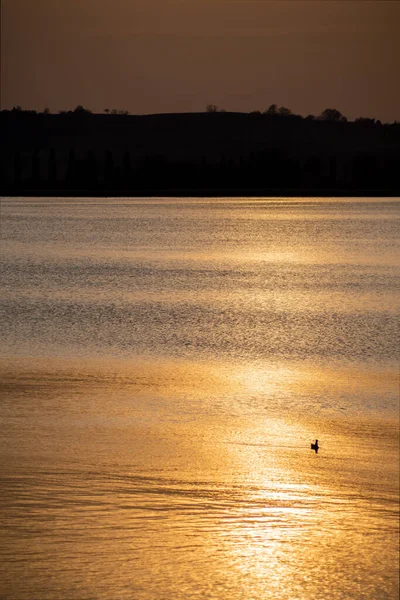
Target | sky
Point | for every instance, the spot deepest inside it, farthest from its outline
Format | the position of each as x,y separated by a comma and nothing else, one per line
159,56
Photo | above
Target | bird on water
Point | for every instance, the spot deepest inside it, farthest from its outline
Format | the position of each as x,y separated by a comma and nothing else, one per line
315,446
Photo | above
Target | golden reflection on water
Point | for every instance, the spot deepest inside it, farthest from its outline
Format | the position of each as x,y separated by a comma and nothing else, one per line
148,477
199,378
302,255
183,479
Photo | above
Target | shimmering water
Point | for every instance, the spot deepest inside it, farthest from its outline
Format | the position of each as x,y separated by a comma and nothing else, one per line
165,365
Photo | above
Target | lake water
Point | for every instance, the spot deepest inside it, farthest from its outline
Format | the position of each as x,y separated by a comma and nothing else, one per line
165,366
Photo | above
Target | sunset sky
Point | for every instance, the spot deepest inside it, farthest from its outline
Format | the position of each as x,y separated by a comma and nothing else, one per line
154,56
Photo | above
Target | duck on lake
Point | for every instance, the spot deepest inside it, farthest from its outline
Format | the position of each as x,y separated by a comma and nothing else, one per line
315,446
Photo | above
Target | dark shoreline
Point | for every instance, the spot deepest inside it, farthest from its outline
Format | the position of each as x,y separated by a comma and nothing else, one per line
199,155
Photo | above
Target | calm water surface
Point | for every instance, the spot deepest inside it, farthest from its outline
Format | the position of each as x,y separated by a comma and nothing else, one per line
165,365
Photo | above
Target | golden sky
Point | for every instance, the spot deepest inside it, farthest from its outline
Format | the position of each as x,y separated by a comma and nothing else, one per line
152,56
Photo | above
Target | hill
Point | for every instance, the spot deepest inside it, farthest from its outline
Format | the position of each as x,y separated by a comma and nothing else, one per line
202,153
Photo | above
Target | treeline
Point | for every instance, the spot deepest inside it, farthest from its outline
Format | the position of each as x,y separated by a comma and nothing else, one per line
270,169
203,153
274,111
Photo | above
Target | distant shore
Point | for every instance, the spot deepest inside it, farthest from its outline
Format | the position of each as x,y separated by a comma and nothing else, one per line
210,155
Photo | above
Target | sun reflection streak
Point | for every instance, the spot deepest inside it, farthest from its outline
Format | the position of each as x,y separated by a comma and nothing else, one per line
177,494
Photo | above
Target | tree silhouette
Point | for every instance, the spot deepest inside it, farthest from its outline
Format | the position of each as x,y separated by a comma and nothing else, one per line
36,166
17,167
109,167
71,167
272,110
90,169
332,114
80,110
285,112
52,166
126,166
365,122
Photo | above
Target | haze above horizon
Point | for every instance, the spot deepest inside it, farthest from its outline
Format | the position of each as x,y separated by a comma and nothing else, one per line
170,56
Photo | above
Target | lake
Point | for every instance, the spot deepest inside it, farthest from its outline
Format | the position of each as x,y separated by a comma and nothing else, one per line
165,365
